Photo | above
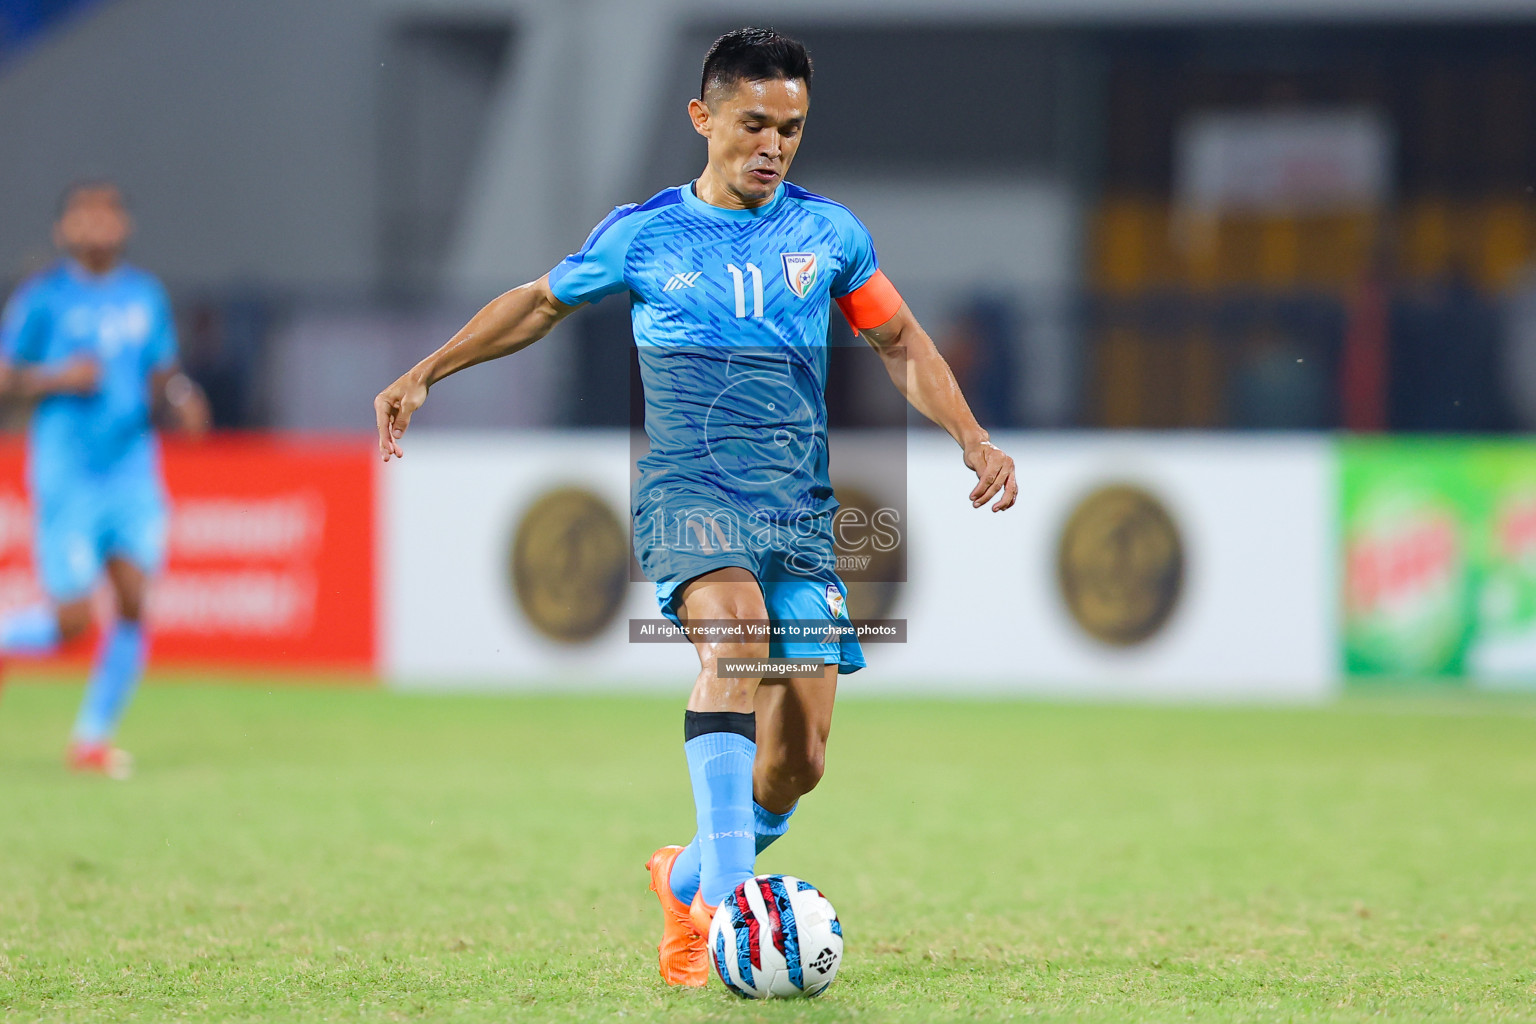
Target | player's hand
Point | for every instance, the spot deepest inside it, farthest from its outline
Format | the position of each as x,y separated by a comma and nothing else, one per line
994,476
189,406
393,410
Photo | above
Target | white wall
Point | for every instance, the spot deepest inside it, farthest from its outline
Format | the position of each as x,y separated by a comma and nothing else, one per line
242,131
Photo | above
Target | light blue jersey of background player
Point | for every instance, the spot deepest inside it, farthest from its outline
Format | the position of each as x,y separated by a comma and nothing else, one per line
729,310
92,463
92,341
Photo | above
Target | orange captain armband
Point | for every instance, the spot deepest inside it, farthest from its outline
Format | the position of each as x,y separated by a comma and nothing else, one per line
871,303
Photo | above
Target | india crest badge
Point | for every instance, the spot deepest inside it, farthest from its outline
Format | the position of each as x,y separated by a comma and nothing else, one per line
799,271
834,601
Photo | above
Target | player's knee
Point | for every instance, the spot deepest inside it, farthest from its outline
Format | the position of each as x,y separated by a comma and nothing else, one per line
128,586
130,606
74,619
747,608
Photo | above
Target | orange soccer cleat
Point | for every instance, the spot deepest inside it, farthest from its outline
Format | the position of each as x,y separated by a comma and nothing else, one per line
99,759
700,914
682,950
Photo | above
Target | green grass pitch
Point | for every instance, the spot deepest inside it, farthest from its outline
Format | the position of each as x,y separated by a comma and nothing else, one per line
311,854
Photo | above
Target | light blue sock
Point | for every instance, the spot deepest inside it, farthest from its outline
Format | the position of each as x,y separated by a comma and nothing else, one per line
119,664
769,826
31,631
720,767
766,827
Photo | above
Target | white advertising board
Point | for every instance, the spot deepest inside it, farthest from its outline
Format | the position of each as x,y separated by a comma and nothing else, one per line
448,512
1254,613
1204,572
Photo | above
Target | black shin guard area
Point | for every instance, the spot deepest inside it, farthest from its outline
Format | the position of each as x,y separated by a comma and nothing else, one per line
701,723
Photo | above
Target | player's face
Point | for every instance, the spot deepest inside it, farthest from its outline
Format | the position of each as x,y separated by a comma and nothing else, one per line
753,132
94,227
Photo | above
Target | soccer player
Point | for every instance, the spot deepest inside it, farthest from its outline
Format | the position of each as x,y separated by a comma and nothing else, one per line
91,342
730,279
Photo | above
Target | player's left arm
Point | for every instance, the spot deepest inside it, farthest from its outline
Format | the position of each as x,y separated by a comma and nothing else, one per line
179,401
175,399
923,377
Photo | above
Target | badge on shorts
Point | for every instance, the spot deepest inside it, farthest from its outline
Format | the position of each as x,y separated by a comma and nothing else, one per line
835,600
799,271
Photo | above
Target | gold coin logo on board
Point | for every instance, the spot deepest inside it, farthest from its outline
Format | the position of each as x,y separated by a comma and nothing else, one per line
570,561
1120,565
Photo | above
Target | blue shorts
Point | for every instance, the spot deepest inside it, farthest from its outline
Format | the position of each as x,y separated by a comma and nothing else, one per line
796,577
80,528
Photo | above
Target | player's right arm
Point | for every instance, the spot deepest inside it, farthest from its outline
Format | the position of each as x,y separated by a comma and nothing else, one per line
875,309
23,336
510,322
513,321
81,376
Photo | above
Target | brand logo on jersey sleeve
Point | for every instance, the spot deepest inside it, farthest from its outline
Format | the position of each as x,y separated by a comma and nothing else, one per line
686,279
799,271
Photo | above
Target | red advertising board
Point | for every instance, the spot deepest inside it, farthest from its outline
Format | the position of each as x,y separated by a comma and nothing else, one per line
270,558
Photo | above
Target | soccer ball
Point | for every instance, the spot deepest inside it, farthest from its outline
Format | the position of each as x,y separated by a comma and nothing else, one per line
776,937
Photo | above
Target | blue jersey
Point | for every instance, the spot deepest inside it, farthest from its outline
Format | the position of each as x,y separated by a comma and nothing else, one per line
730,316
122,320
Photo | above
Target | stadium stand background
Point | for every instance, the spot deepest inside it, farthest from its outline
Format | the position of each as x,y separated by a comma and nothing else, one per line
449,149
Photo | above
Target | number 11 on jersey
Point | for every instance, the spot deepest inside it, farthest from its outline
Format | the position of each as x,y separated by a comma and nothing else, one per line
741,289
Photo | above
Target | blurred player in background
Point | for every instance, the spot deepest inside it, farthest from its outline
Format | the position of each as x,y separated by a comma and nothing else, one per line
91,342
730,279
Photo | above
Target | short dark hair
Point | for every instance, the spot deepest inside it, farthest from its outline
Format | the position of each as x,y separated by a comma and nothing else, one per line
753,55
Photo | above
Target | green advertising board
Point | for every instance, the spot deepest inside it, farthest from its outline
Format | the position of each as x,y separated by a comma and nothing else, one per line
1439,553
